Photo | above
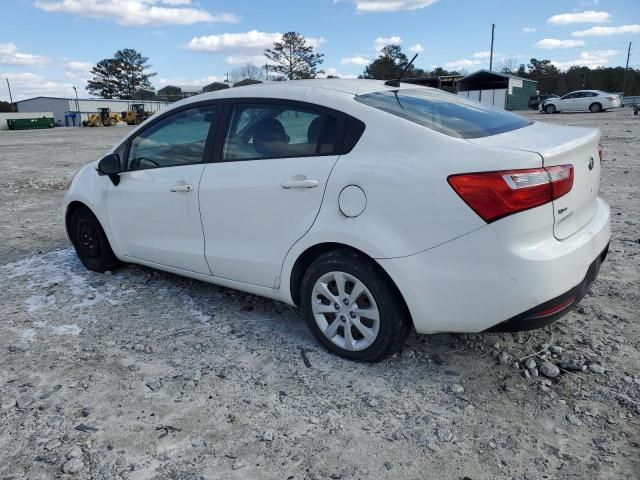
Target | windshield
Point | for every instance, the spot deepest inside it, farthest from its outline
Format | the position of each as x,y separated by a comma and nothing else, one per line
444,112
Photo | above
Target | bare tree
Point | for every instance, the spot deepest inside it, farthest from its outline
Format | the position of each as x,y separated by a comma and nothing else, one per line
509,65
246,72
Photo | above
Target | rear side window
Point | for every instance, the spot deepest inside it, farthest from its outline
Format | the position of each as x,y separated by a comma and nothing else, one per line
445,113
279,131
178,139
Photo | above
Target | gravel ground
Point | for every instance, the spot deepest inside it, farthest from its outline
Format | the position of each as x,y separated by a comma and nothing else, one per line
145,375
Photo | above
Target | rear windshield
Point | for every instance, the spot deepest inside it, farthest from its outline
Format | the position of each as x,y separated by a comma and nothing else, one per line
444,112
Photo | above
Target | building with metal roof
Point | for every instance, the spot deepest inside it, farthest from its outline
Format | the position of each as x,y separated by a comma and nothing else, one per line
495,88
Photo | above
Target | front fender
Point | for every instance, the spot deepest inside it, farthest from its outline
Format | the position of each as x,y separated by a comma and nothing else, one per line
90,189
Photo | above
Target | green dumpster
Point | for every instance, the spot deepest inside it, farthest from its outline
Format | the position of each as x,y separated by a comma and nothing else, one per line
30,123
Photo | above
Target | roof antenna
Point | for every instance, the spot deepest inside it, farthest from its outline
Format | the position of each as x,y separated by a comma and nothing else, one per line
396,83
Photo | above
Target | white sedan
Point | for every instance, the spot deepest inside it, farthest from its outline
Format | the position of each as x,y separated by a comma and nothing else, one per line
582,101
374,208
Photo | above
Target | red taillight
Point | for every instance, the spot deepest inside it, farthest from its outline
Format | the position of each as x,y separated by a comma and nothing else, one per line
600,152
495,195
556,308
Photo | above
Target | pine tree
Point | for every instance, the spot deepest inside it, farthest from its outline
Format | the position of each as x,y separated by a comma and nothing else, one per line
121,76
294,57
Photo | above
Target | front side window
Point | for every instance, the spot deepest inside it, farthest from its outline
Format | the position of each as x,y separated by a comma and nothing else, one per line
443,112
178,139
279,131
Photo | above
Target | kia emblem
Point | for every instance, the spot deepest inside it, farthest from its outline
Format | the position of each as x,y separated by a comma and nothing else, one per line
591,163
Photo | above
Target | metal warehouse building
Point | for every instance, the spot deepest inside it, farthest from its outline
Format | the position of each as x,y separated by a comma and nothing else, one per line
67,107
499,89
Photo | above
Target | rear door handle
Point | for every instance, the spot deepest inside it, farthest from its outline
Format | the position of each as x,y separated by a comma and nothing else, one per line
181,188
300,183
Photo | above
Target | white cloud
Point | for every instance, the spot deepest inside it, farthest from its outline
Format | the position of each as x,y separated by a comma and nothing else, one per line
381,42
80,72
335,73
355,61
461,64
554,43
484,54
251,42
79,66
593,59
315,42
28,85
528,29
606,31
391,5
137,12
417,48
589,16
10,55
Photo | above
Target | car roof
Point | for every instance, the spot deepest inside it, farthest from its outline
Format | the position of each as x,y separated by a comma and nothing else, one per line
300,88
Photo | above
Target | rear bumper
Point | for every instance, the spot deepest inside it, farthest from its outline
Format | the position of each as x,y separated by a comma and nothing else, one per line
556,308
495,273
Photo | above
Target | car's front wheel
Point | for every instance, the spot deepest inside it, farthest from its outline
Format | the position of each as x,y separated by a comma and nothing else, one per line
550,108
90,241
352,308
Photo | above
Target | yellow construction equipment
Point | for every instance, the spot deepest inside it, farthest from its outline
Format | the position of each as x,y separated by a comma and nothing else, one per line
136,114
104,118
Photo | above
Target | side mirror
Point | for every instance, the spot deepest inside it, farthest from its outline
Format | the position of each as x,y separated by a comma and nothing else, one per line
110,165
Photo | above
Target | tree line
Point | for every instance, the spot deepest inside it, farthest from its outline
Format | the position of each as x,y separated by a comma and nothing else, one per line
292,57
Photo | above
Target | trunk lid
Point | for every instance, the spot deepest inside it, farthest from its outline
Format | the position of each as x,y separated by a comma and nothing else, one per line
561,145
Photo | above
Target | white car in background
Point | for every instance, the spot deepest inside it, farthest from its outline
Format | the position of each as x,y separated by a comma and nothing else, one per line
582,101
375,208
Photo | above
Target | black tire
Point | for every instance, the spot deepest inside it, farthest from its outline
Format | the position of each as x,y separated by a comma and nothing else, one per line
550,109
595,107
90,242
394,322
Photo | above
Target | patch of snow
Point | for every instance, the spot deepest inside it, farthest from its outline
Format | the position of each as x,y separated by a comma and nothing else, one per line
58,279
29,334
66,330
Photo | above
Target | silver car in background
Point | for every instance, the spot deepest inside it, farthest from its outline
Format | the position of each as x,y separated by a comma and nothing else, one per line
582,101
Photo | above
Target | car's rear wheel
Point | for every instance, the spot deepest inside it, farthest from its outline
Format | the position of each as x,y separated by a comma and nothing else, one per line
90,242
351,307
595,107
550,109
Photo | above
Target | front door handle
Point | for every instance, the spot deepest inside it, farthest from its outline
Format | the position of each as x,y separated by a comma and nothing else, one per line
300,183
181,188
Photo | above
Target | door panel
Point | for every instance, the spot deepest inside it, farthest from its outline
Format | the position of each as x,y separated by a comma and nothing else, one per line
153,212
151,222
267,190
250,220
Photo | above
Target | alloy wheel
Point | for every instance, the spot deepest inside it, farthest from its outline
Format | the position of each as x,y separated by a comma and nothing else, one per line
345,311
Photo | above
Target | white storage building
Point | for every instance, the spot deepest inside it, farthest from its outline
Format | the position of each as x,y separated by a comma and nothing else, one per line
499,89
62,107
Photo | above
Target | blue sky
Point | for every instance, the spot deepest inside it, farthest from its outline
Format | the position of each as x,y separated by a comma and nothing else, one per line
47,46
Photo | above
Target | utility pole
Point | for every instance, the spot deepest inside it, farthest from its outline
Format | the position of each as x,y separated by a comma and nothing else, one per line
493,29
266,71
11,96
78,107
626,69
